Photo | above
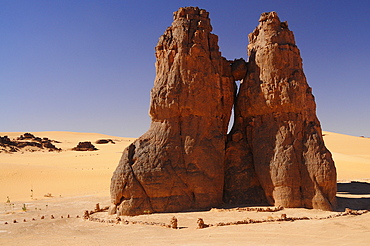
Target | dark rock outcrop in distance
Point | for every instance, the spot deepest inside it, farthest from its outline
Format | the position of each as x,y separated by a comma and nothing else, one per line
104,141
274,153
178,164
7,145
27,135
275,146
84,146
25,140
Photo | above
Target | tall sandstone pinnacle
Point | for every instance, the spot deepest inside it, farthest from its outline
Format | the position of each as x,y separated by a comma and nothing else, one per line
275,147
178,164
275,152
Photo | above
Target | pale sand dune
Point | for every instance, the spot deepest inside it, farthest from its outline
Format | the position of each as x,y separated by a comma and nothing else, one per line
351,155
82,179
62,174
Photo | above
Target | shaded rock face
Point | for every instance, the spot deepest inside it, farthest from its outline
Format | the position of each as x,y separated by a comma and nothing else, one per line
275,146
178,164
275,152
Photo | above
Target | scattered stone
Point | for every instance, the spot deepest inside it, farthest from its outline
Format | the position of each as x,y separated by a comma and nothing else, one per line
42,217
52,217
86,215
15,221
283,216
48,195
6,223
97,208
201,224
173,222
349,211
118,220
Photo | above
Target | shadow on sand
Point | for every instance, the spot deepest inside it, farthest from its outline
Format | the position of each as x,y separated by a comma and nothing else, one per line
354,195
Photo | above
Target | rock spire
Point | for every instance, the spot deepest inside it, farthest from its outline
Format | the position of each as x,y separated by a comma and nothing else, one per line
276,142
275,152
178,164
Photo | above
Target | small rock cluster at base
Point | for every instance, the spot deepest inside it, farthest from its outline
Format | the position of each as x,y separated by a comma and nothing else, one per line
274,154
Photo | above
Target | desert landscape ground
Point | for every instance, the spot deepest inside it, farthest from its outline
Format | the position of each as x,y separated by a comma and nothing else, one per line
38,185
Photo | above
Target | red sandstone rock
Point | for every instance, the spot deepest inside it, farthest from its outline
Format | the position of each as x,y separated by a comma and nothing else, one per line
276,141
275,152
179,163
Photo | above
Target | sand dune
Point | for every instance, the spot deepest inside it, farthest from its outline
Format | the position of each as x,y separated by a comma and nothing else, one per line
67,173
351,155
79,180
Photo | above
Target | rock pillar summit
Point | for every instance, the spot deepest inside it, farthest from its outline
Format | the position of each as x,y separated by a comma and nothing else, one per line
178,164
275,152
276,142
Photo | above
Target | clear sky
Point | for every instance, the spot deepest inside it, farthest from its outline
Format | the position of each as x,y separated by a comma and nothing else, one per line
88,66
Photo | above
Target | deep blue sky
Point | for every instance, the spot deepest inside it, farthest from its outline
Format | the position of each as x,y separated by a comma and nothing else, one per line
88,66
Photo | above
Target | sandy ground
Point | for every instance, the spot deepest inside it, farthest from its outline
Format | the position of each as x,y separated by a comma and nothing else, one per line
66,173
79,180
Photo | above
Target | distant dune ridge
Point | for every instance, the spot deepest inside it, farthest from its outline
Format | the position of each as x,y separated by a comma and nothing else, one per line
275,153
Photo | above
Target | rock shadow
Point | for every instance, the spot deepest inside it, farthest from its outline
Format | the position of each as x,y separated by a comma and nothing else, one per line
355,188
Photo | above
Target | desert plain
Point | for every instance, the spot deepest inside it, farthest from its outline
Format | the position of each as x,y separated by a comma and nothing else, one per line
43,196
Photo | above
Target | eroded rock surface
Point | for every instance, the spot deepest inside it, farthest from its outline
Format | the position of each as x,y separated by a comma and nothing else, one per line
178,164
275,152
276,146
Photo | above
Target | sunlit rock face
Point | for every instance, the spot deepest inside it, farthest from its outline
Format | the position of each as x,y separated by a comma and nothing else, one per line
274,153
179,163
276,142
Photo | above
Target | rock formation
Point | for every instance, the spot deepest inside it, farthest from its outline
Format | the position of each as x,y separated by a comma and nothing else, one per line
276,142
27,140
178,164
104,141
274,153
84,146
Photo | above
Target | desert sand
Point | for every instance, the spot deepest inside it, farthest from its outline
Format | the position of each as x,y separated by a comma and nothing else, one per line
65,184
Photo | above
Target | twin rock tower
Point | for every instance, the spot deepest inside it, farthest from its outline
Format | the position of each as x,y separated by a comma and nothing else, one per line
274,153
